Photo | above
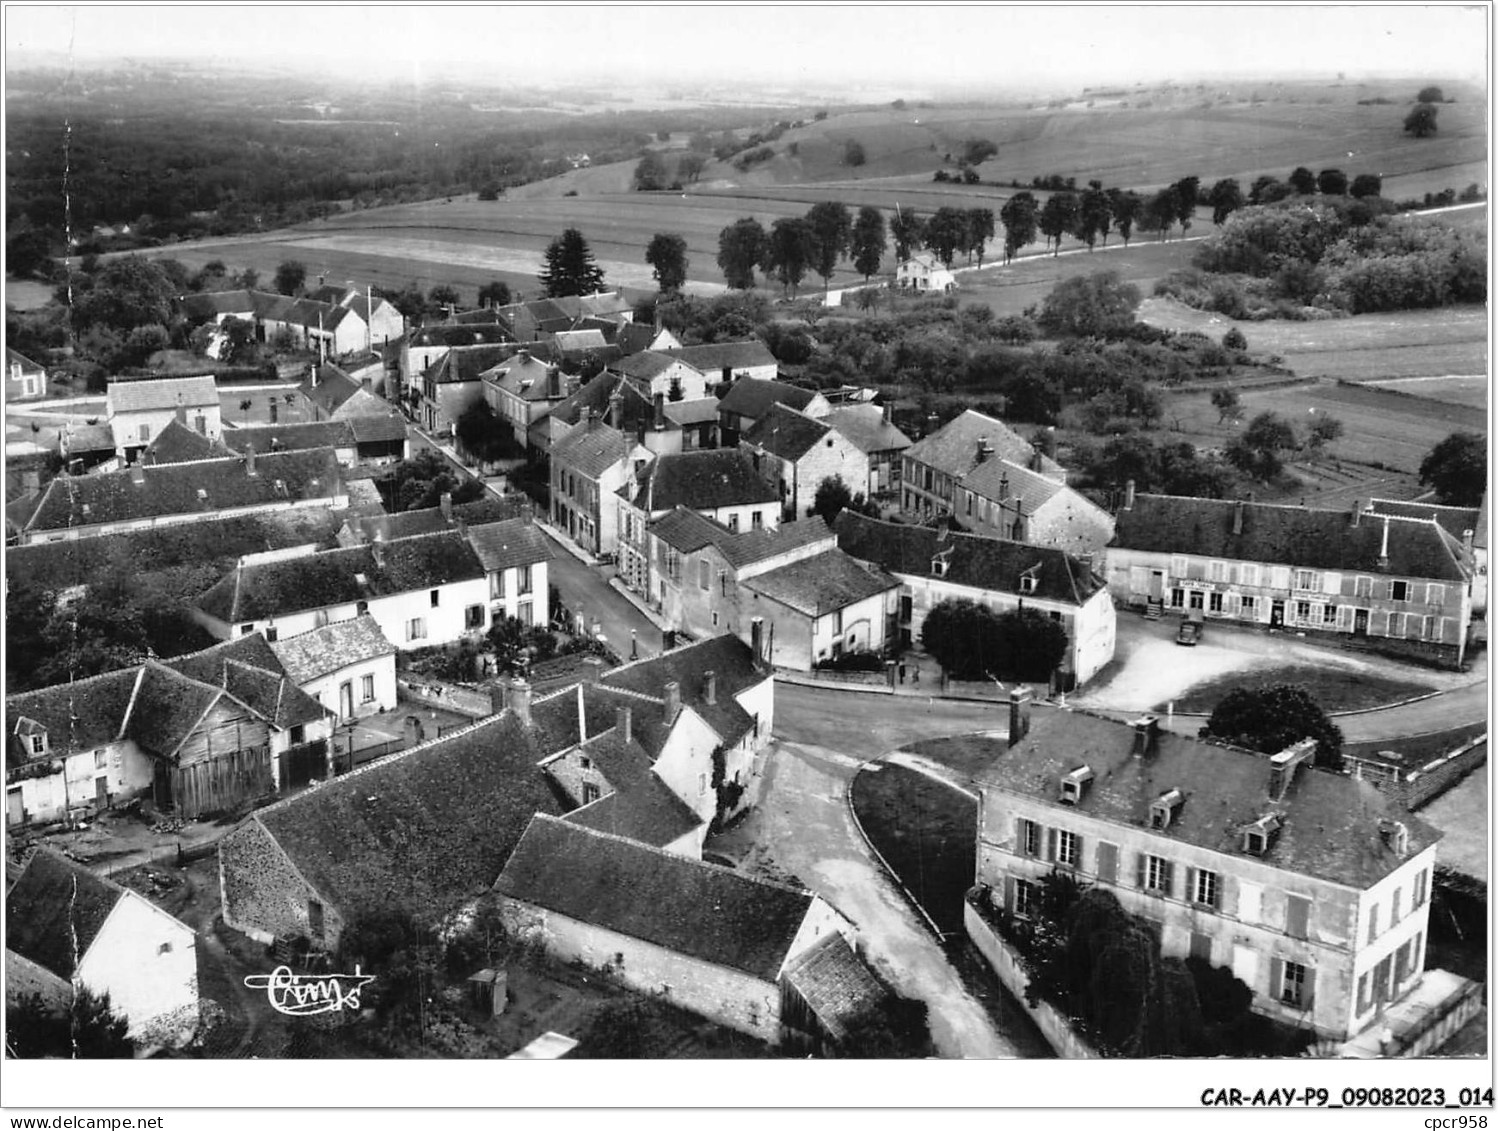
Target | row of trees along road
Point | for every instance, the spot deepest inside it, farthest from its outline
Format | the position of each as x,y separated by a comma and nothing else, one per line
818,241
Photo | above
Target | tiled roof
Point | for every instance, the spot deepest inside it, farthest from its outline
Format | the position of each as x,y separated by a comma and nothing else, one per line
330,388
87,438
1288,535
1456,521
467,363
15,357
984,563
77,716
438,819
429,520
711,359
467,334
513,542
166,708
817,586
591,450
703,410
699,910
866,429
702,480
308,655
580,341
177,443
251,671
834,982
1013,485
526,377
643,807
186,488
370,427
313,315
753,546
1329,821
753,396
277,588
645,365
637,407
635,336
728,657
953,448
56,910
290,437
152,394
786,433
687,531
212,303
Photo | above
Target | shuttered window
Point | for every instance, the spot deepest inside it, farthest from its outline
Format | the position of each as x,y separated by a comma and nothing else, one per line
1297,916
1107,862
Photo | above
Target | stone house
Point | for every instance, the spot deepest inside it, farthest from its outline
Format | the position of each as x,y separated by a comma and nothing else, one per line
724,363
934,465
424,346
748,400
452,385
870,429
67,929
515,556
588,466
796,454
1311,886
447,515
522,390
1403,585
820,607
721,484
936,565
627,405
177,443
139,408
348,667
1004,500
382,321
1468,524
707,938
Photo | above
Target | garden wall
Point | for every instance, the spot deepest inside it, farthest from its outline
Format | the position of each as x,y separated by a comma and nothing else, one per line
448,696
1435,778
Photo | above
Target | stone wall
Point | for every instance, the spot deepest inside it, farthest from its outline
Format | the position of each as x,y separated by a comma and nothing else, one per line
430,692
1434,778
262,894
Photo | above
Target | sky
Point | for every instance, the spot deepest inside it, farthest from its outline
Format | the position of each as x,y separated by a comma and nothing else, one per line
1056,45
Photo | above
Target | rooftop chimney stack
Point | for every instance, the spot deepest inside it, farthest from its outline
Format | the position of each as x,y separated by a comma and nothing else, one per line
888,413
622,724
181,412
710,688
1282,766
1019,714
1238,517
672,705
616,410
1467,539
1128,495
520,700
377,548
985,449
592,419
1383,550
1004,487
757,639
660,412
554,378
1146,734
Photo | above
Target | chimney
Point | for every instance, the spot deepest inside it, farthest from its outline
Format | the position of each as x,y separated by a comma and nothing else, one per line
622,724
984,449
1128,495
1019,714
1467,538
1021,530
554,378
1282,766
249,461
138,474
592,419
673,701
1357,511
660,412
640,431
757,639
520,701
710,688
1050,441
572,383
181,412
1004,487
888,413
616,410
446,503
527,514
377,548
1383,550
592,666
1238,517
1037,460
1146,733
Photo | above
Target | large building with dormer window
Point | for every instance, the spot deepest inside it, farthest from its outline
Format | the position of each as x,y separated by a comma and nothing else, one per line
1311,886
1405,584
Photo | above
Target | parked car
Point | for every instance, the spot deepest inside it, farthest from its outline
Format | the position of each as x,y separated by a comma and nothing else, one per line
1190,632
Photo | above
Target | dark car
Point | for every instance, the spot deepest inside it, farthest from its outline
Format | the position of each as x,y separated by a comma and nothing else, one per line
1190,631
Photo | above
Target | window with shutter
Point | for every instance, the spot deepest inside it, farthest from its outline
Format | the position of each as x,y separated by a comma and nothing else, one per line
1435,594
1365,1002
1331,583
1050,845
1276,977
1297,916
1250,574
1201,947
1107,862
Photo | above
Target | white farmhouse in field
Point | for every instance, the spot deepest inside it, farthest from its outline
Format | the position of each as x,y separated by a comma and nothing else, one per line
925,274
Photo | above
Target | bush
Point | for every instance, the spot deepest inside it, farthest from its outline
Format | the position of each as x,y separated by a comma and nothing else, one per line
860,661
1234,340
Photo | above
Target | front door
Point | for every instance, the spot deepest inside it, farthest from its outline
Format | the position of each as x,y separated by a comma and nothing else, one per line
1360,622
1277,614
1157,585
101,793
15,808
346,700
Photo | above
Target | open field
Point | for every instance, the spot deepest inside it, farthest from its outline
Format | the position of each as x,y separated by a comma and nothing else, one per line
1026,281
1333,689
1470,391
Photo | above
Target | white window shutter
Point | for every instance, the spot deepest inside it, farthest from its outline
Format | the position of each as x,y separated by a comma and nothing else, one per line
1331,583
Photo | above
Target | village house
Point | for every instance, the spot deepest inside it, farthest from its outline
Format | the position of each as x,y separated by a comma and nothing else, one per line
633,337
424,346
925,274
796,454
348,667
869,428
343,323
588,467
515,556
724,363
1004,500
69,930
24,378
1467,524
1311,886
521,391
383,322
330,393
177,443
1403,585
747,402
820,608
704,937
139,408
144,496
659,424
664,374
934,465
368,441
199,733
720,484
936,565
422,591
533,320
446,515
452,385
83,446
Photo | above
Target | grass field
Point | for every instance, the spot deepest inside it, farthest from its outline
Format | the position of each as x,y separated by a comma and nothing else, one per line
1333,689
1469,391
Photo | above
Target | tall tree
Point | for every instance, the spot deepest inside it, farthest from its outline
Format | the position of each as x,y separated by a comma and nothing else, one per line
1430,94
909,232
1186,189
980,229
1270,719
667,253
791,248
741,248
1366,184
1421,121
1457,468
689,167
1093,215
650,173
1302,180
1126,206
946,231
1058,217
868,241
1160,212
570,269
1020,215
290,277
1331,182
832,225
1089,306
1262,187
494,294
1225,198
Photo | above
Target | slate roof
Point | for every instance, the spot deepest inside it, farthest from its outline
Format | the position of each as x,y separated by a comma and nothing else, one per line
441,818
504,545
646,364
702,480
581,341
429,520
1016,486
331,389
1329,821
371,427
700,910
249,669
834,982
55,910
703,410
1456,521
990,564
591,450
1289,535
153,394
525,377
643,807
687,531
753,396
467,363
637,406
752,546
953,449
817,586
635,336
786,433
87,438
466,334
727,656
170,489
277,588
864,426
714,357
308,655
77,716
177,443
290,437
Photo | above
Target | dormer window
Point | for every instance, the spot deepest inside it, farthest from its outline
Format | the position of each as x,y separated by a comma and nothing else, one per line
1165,807
38,744
1259,836
202,495
1395,834
1074,784
281,487
940,563
1027,582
